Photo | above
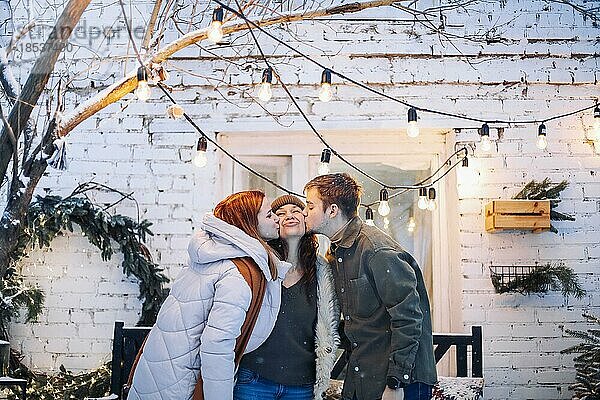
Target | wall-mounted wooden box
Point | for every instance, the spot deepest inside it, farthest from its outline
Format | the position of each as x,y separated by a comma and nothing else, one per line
531,215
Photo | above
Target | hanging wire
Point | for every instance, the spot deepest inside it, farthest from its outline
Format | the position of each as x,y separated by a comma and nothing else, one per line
375,91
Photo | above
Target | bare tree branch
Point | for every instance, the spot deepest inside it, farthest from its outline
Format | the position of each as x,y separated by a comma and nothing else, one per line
151,24
128,83
36,82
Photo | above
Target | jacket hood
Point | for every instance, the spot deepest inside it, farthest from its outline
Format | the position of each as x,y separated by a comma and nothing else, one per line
217,240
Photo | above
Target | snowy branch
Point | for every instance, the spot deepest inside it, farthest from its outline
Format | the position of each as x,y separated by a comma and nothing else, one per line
128,83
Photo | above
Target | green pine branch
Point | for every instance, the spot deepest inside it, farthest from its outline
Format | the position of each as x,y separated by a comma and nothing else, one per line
587,362
546,190
545,278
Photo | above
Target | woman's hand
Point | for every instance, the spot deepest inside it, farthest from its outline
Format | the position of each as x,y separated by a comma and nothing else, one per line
390,394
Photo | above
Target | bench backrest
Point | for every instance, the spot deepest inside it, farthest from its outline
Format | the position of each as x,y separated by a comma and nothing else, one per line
126,344
128,340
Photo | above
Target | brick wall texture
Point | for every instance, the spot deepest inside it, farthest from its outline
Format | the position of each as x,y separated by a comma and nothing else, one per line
494,60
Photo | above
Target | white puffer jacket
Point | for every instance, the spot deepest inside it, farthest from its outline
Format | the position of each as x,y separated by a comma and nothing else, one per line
199,322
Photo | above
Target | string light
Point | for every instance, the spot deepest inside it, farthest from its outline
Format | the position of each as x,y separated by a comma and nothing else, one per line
175,111
431,204
323,168
215,30
143,89
596,125
412,224
423,202
467,176
486,143
199,159
384,205
325,93
369,217
264,89
542,143
413,128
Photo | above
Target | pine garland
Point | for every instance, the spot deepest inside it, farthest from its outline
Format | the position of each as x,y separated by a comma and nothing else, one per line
546,190
545,278
63,386
587,363
46,218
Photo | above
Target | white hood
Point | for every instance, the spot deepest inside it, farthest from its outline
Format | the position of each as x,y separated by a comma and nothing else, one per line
216,240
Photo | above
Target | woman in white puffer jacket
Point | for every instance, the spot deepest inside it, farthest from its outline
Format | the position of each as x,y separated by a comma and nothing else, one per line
197,326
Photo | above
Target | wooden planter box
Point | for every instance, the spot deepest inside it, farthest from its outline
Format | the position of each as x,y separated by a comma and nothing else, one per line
531,215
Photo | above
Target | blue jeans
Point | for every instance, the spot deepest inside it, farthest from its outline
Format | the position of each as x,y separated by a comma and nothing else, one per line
250,386
418,391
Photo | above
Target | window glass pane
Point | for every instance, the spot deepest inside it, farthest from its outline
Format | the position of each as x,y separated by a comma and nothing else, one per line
276,168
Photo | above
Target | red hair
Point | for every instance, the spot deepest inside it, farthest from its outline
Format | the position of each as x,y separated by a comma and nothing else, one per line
241,210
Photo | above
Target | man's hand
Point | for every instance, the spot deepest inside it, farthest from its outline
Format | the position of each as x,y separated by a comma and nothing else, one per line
390,394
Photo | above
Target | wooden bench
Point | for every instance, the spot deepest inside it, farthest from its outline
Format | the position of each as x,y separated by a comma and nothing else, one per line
127,341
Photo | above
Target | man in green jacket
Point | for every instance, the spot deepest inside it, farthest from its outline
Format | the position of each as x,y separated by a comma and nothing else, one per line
386,313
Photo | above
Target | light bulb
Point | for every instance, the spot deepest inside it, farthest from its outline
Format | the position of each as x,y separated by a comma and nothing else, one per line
486,143
369,217
384,208
323,168
175,111
199,159
215,31
143,91
325,93
422,203
413,128
264,91
542,143
595,135
386,223
431,203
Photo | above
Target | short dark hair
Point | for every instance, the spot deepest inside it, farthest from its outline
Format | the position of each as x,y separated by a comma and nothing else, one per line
341,189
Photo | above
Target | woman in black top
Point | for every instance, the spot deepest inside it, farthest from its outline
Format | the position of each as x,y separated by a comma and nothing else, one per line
295,362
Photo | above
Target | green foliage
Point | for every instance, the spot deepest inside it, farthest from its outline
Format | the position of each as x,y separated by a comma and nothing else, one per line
587,362
16,295
546,190
541,280
46,218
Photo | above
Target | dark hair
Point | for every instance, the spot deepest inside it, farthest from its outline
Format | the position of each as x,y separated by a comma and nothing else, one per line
307,256
341,189
241,210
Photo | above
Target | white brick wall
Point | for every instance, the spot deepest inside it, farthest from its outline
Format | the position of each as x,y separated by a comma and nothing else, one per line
554,70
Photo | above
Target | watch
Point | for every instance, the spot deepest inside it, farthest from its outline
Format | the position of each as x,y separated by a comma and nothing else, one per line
394,383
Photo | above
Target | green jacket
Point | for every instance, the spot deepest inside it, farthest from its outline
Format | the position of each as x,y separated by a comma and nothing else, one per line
387,318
